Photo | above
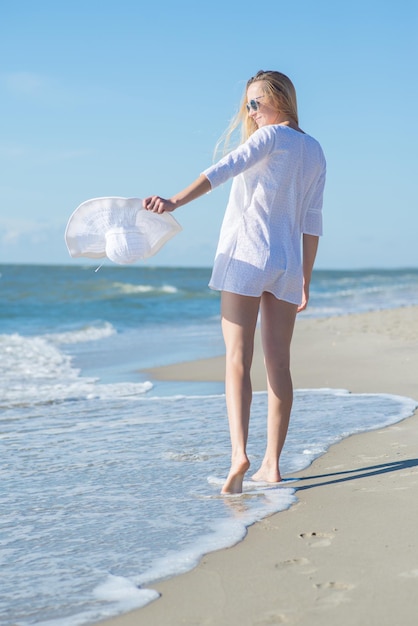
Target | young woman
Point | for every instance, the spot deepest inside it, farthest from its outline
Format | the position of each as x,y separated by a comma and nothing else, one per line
265,256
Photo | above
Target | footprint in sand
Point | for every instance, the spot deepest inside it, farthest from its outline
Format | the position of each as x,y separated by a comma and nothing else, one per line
272,618
332,593
334,585
317,539
301,561
302,565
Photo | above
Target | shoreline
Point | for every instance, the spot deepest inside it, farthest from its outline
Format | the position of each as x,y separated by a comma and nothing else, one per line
346,552
332,352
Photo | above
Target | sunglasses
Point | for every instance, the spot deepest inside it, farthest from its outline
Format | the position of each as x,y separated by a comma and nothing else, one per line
253,105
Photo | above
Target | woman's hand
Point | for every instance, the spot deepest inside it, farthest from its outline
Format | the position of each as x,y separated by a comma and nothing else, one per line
305,298
156,204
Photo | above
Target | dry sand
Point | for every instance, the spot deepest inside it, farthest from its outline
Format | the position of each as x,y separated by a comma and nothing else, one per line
347,553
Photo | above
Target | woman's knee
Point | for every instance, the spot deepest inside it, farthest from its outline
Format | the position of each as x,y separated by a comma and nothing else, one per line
239,357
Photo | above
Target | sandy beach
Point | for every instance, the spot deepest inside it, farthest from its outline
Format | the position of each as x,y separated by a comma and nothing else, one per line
347,552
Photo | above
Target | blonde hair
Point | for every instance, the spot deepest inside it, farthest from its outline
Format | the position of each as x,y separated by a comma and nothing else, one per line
282,95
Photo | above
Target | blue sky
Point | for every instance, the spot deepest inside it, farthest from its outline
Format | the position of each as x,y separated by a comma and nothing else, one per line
106,98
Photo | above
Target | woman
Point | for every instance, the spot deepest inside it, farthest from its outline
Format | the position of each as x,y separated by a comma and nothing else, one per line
275,204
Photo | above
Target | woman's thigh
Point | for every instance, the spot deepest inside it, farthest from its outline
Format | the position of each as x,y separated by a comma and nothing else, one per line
239,320
277,324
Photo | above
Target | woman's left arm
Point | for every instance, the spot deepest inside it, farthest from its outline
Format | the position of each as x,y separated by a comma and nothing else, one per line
310,248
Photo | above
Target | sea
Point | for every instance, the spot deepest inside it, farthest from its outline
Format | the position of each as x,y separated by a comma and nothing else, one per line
110,480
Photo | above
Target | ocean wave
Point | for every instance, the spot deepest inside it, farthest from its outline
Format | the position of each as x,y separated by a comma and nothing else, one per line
32,358
34,371
128,288
20,395
88,333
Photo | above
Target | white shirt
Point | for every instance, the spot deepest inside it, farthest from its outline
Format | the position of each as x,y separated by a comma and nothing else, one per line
276,195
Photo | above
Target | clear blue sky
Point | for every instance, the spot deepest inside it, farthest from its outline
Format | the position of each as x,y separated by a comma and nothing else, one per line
128,98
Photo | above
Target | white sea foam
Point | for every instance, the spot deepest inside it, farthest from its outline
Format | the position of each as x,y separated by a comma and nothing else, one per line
33,371
124,591
187,455
118,592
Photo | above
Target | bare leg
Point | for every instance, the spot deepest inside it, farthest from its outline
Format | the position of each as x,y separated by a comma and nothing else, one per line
277,323
239,319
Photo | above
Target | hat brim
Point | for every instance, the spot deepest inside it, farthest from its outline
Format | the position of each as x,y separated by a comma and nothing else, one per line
85,234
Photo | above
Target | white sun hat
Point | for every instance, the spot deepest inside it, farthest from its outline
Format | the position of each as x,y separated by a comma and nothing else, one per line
119,229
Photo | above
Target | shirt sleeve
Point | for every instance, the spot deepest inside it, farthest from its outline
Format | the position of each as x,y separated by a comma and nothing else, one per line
313,219
256,148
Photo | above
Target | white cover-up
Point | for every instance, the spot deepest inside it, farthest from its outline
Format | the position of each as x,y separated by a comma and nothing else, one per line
276,196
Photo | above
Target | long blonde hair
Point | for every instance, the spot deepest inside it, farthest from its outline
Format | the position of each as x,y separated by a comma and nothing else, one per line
281,93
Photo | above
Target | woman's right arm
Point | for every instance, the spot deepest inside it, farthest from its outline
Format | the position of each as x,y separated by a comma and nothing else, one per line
257,146
158,205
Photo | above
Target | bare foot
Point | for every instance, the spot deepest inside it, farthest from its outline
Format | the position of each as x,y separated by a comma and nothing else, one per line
233,483
267,475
